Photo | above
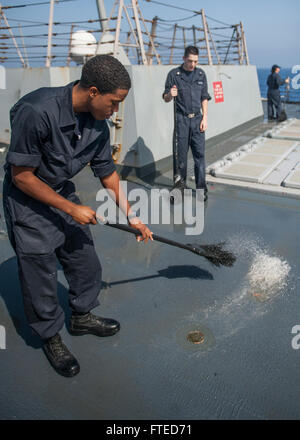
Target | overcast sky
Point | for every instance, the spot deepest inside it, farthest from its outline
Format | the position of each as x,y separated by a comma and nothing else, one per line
271,26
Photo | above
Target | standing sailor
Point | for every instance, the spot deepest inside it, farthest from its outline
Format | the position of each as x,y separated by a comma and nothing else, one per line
56,132
274,81
189,85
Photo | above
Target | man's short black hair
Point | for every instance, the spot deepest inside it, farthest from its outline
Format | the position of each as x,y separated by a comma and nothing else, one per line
191,50
274,67
106,73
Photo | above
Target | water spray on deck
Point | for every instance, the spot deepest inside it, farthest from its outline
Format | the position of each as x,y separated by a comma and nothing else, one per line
268,272
267,277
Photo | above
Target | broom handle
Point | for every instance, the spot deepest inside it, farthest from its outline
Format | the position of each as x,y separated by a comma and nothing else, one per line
175,140
154,236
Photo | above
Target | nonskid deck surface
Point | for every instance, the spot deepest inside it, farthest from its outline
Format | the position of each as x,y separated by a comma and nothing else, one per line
289,130
268,161
243,366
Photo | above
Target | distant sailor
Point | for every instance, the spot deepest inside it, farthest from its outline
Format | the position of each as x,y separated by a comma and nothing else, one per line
56,132
189,85
274,81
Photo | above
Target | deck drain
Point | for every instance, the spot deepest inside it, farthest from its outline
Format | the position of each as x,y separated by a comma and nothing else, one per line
196,337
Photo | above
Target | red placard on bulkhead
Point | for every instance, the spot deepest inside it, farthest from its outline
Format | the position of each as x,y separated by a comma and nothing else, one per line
218,91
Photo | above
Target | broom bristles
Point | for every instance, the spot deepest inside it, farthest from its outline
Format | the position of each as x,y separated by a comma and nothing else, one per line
215,254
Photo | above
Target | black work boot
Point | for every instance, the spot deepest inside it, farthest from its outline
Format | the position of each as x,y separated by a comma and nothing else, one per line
60,358
95,325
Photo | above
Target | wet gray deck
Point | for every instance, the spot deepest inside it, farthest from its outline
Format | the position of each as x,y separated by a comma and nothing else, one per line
245,369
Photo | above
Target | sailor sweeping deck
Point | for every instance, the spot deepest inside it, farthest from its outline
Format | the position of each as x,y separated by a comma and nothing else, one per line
56,132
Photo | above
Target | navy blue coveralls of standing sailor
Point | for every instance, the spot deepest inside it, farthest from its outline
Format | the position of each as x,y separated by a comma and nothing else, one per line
189,85
274,81
56,132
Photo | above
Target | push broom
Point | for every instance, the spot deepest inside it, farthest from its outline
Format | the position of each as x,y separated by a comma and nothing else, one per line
214,253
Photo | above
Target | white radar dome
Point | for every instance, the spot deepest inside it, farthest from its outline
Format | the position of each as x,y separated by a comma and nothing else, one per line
83,46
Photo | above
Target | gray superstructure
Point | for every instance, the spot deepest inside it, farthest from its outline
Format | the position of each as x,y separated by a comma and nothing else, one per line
146,126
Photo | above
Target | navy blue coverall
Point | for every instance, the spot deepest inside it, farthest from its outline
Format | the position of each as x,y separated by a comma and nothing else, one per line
274,81
192,90
47,135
